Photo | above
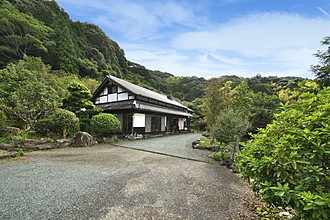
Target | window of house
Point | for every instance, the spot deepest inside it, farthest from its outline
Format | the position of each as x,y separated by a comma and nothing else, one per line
156,123
128,123
112,89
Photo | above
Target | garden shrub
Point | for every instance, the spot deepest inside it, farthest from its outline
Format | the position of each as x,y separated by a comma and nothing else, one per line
61,122
64,120
289,160
105,124
221,156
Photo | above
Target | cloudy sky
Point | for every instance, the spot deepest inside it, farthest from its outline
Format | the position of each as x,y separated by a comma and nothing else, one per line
211,38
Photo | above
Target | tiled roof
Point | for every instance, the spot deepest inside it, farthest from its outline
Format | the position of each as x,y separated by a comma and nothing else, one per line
138,90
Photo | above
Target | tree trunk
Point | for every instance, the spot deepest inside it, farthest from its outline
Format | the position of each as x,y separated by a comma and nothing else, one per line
235,150
65,132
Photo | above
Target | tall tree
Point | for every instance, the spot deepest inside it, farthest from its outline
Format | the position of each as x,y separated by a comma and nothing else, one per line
221,97
322,70
65,52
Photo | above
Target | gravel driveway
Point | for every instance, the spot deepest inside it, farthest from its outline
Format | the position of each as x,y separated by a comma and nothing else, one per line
109,182
174,145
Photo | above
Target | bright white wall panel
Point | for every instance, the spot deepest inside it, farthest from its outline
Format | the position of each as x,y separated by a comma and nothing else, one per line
139,120
122,96
103,99
112,97
163,123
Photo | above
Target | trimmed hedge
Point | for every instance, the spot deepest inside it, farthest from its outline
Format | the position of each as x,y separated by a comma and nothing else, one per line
105,124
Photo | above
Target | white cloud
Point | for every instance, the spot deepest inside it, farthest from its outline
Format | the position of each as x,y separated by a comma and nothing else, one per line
258,35
270,43
139,19
323,11
284,43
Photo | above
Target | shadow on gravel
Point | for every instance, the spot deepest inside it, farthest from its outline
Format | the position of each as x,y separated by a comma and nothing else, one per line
173,145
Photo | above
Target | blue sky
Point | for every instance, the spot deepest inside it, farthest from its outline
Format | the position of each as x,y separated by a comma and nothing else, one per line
210,38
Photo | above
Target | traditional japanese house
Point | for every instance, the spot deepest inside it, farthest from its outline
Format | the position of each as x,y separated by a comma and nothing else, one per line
140,110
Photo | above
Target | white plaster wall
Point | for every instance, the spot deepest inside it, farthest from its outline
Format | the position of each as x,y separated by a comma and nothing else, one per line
112,97
103,99
122,96
139,120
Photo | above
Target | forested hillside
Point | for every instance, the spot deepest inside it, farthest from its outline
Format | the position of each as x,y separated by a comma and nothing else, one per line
42,29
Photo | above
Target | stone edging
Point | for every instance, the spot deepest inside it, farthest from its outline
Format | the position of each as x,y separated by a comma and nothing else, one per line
8,155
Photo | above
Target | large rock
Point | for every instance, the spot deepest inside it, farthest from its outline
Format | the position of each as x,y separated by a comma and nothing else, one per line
28,144
82,139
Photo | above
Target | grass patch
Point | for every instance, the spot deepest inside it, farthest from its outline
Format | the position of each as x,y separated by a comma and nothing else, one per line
3,152
206,142
18,150
221,156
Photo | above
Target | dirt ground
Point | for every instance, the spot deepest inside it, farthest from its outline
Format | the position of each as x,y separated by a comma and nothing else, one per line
111,182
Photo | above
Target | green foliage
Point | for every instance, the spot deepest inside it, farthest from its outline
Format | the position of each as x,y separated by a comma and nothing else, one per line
221,156
3,120
63,121
30,103
262,109
30,70
289,160
79,103
65,52
221,96
230,126
186,88
20,34
105,124
322,70
18,150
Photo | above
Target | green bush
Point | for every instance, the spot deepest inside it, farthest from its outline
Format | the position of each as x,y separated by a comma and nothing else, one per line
105,124
64,120
289,161
221,156
61,122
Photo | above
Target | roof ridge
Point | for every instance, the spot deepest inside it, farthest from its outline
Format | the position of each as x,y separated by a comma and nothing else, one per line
145,92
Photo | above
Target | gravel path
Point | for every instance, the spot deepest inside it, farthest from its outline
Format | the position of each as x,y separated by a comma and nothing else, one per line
108,182
173,145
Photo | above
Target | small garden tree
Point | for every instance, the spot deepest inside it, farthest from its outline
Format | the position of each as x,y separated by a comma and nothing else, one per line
62,121
79,103
30,103
289,161
230,126
105,124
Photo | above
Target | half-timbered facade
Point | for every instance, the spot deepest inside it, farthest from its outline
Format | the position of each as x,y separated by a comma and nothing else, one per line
141,110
